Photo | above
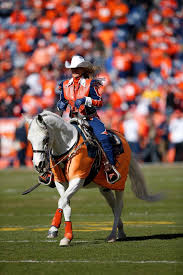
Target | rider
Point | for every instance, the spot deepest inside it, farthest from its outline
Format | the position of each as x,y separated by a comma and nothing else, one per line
81,92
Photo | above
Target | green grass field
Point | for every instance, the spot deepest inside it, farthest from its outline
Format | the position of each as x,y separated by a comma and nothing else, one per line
154,230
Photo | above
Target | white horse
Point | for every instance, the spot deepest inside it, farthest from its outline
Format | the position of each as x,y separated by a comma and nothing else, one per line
48,132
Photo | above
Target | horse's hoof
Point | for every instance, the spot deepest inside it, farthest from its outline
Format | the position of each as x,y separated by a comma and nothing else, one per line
65,242
52,234
111,240
120,239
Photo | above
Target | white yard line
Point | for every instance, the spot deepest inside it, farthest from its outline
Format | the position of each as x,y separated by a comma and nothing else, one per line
92,261
42,241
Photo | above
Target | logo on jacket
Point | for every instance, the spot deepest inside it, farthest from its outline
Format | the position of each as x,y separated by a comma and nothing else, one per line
104,133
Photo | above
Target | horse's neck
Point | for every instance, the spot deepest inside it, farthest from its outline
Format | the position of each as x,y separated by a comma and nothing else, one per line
64,135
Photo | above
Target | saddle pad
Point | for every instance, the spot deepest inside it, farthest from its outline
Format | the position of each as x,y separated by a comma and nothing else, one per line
122,165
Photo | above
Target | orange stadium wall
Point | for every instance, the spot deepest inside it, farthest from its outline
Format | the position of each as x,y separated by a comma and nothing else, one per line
8,151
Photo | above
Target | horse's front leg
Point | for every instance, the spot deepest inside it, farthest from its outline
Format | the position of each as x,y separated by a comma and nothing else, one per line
74,186
53,231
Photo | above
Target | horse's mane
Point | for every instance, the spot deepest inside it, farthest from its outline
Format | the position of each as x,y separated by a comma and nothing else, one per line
53,118
57,120
49,113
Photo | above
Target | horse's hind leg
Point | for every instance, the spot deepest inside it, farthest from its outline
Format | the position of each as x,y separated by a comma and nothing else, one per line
117,214
118,209
109,196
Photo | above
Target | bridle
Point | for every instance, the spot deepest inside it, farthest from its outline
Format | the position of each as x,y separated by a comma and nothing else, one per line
44,151
40,151
48,155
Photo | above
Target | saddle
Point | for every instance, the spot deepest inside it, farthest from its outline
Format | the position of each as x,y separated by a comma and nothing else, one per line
95,149
87,132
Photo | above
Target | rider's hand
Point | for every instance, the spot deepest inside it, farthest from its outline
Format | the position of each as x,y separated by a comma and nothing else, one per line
80,102
61,105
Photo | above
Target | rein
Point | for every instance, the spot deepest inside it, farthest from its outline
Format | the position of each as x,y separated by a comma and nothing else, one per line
67,157
39,151
64,157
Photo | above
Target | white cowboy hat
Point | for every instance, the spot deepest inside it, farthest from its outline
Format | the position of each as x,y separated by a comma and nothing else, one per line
77,61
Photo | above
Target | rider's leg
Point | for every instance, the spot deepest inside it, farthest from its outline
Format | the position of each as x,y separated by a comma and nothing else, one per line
103,137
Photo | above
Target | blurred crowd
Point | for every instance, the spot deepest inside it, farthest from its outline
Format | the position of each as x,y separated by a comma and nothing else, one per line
137,43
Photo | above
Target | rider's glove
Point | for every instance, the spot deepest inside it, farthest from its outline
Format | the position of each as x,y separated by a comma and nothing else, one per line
61,106
80,102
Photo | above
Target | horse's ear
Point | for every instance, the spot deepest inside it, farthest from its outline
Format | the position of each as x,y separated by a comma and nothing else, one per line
41,122
40,118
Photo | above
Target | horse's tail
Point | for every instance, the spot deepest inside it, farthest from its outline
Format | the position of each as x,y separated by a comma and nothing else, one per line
138,183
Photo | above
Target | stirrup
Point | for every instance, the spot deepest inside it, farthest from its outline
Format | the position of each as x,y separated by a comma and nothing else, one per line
115,177
47,179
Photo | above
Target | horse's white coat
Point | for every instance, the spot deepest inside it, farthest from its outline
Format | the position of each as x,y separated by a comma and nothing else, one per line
62,136
61,188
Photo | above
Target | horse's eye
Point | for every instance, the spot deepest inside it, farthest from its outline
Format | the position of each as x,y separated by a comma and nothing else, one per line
45,140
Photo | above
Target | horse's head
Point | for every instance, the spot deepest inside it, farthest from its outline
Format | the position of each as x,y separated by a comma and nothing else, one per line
38,135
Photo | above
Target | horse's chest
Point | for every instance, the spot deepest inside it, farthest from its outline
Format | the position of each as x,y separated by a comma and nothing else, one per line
78,164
